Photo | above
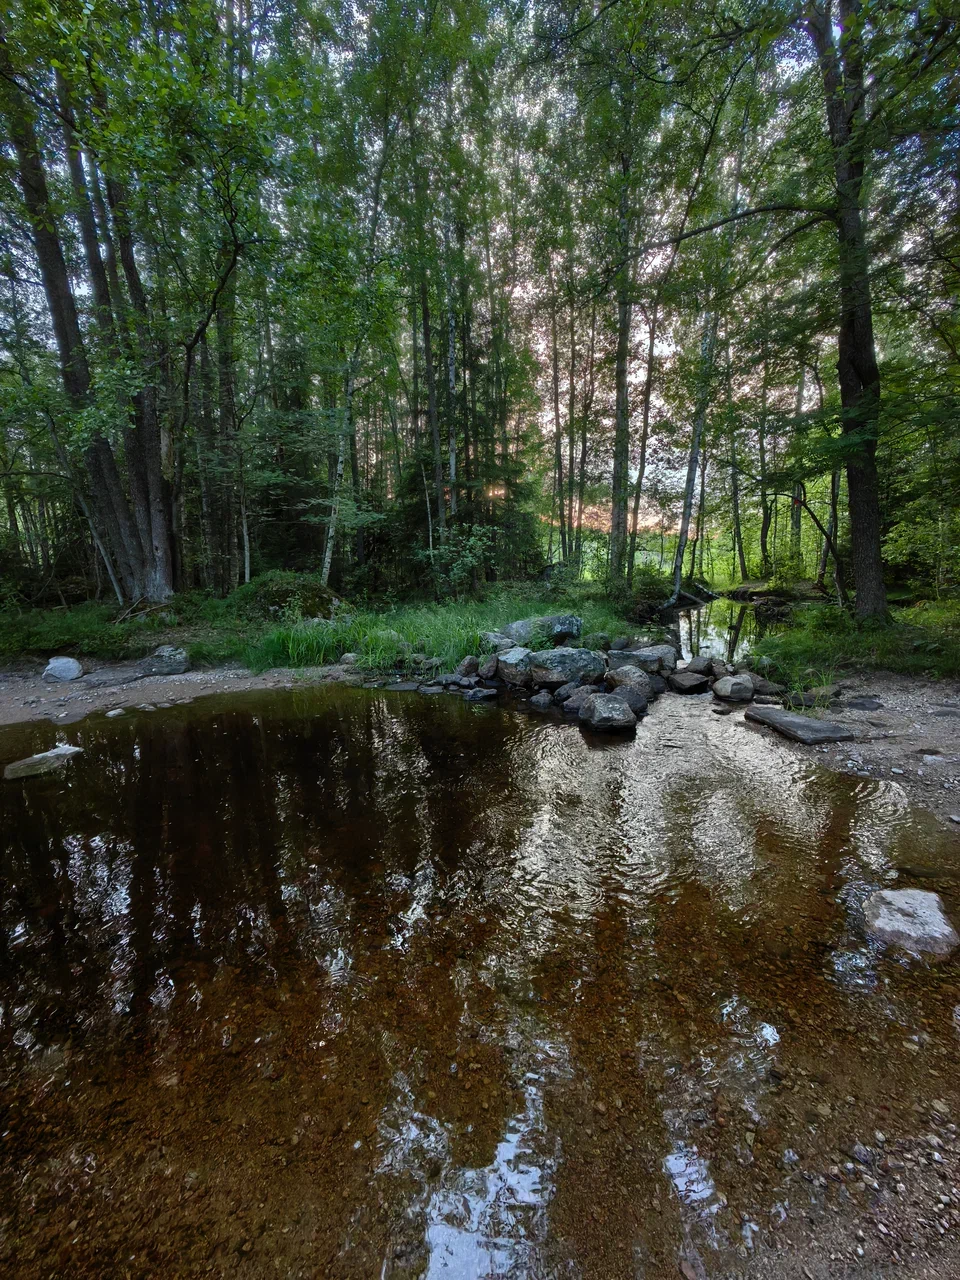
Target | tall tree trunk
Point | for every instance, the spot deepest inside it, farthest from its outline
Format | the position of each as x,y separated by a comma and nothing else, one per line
430,374
844,89
621,438
557,424
707,346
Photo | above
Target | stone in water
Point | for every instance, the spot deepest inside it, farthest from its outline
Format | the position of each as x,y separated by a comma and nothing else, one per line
910,918
45,762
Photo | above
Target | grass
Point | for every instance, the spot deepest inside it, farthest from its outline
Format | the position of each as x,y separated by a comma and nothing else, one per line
271,623
822,640
384,641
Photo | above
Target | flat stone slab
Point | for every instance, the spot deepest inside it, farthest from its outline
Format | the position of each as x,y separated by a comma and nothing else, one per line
800,728
109,676
403,686
45,762
910,918
480,695
865,704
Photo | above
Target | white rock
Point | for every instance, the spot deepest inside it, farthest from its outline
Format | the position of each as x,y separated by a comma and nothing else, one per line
60,670
45,762
910,918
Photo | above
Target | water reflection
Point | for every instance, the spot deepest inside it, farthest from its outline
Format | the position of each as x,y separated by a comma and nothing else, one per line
724,629
382,985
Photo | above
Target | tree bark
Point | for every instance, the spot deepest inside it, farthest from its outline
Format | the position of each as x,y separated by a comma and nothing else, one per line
843,77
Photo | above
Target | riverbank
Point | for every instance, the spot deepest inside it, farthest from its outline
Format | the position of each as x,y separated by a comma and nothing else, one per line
907,728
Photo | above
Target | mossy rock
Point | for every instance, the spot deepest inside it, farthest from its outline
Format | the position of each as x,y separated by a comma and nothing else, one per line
272,595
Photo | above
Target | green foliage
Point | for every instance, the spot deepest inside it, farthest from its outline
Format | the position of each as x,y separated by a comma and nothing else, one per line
923,640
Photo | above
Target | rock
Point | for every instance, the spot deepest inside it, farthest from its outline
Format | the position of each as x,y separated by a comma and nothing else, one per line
556,627
513,665
446,680
108,676
402,686
870,704
168,660
633,677
579,697
45,762
768,700
554,667
767,687
117,711
487,669
800,728
701,665
565,690
596,640
633,698
60,670
496,640
826,692
657,686
734,688
658,658
688,682
480,695
621,642
350,659
468,666
542,700
910,918
431,688
719,669
606,713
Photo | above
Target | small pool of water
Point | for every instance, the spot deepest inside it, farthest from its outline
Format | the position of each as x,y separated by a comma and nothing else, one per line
725,629
338,982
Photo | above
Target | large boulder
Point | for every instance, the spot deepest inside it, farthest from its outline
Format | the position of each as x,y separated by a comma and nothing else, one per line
660,659
487,670
800,728
554,667
579,697
913,919
168,660
556,627
701,665
45,762
734,689
468,666
632,697
688,682
606,713
496,640
60,670
620,677
513,665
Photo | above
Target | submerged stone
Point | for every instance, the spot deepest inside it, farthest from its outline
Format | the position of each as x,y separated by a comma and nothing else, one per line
44,762
800,728
910,918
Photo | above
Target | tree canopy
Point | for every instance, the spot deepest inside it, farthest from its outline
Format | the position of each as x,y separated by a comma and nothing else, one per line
422,295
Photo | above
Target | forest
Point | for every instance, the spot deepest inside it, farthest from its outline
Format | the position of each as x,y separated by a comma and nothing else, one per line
420,297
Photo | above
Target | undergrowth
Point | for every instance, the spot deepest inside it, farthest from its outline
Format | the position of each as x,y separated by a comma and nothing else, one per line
922,640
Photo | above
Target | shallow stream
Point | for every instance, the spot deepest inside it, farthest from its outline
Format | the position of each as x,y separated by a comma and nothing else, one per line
345,983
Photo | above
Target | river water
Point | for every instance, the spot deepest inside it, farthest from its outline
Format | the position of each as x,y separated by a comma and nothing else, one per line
339,982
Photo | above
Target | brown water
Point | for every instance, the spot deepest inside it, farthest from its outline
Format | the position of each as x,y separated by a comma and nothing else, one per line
347,983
